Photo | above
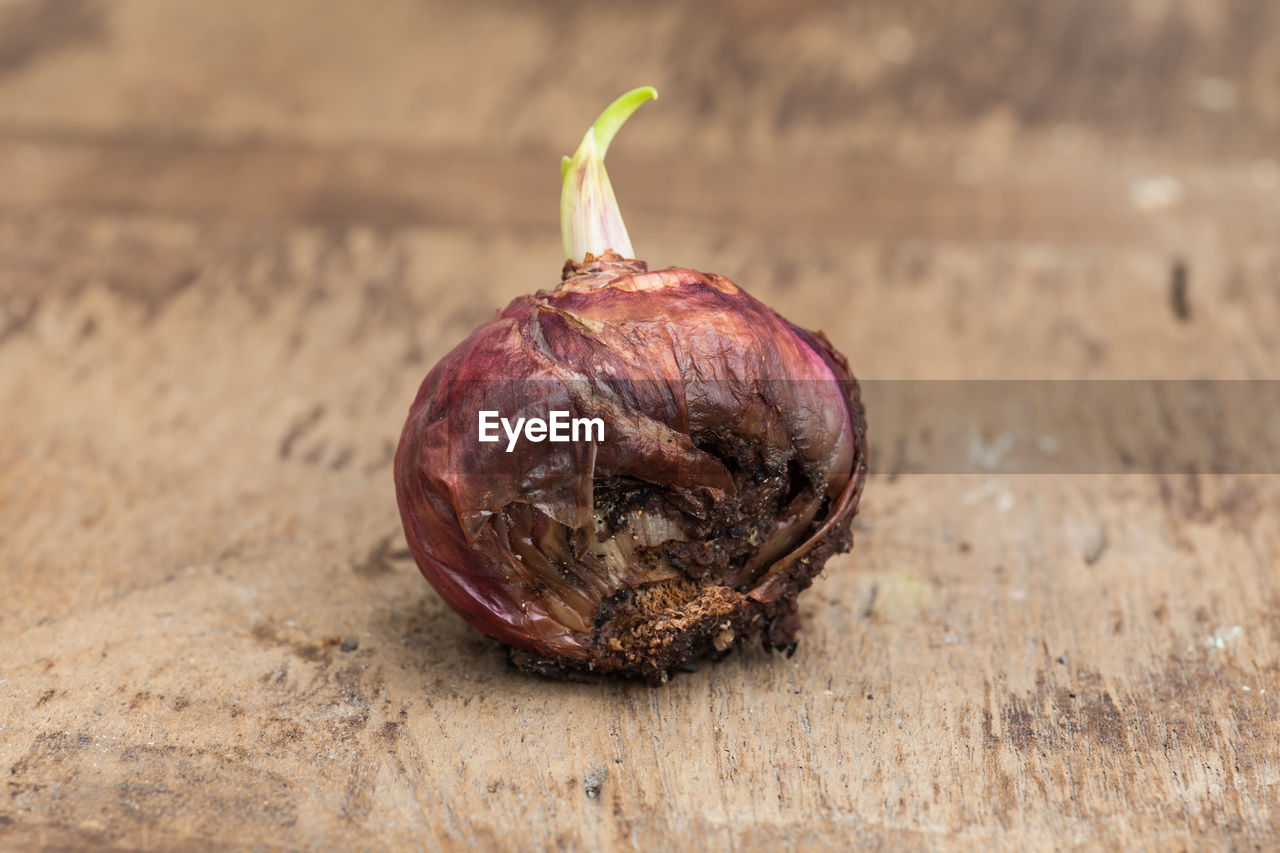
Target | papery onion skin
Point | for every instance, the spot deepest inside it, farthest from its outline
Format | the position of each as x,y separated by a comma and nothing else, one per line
741,435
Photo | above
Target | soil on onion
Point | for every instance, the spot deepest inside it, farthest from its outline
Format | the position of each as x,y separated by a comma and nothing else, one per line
654,629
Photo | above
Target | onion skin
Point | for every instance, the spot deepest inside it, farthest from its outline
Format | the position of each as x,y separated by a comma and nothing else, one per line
742,436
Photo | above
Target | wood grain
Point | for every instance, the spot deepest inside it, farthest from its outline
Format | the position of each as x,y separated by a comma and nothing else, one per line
233,238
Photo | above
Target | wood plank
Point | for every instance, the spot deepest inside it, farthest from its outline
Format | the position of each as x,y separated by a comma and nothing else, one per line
217,300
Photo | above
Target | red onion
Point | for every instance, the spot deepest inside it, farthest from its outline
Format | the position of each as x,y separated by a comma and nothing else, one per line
719,457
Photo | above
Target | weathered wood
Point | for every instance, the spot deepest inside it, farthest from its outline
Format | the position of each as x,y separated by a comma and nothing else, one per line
234,236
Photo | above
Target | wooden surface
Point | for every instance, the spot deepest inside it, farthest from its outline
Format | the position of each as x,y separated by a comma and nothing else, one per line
235,235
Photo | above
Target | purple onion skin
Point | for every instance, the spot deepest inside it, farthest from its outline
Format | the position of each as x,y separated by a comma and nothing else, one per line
741,435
